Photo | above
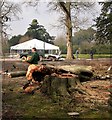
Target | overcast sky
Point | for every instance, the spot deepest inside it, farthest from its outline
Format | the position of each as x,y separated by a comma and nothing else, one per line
45,18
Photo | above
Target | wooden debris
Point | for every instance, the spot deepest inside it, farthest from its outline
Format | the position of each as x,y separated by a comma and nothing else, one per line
30,88
73,113
16,74
110,68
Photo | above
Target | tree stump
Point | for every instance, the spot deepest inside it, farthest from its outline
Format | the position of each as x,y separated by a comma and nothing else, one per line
110,99
59,85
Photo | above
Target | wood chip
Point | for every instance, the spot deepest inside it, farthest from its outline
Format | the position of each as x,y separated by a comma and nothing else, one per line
73,113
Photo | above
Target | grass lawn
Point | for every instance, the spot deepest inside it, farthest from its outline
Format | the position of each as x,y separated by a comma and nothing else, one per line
26,106
87,56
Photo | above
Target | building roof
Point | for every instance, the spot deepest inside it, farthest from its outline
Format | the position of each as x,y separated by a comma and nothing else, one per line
38,44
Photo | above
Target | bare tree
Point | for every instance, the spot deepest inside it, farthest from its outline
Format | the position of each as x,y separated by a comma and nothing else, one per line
67,10
70,18
8,11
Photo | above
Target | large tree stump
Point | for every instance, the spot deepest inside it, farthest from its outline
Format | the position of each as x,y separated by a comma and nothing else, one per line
59,85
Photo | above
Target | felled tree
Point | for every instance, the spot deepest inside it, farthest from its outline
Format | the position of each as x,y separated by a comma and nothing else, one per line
59,81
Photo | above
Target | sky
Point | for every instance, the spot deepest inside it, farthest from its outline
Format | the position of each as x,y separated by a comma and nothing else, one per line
44,17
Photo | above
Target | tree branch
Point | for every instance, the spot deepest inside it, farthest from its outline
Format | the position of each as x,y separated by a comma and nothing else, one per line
63,6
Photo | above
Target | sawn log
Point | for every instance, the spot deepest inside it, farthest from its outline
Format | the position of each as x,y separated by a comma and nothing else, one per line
16,74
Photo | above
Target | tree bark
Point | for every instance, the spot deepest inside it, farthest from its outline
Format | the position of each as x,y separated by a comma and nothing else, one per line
65,6
59,85
17,74
69,32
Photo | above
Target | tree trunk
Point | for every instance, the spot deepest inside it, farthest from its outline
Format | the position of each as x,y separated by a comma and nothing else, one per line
59,85
17,74
69,32
84,73
1,32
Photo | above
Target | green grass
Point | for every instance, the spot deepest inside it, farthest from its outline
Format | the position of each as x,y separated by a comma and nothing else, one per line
87,56
40,106
29,106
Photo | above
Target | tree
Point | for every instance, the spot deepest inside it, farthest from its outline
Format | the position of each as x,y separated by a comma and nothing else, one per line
38,31
34,31
104,24
84,35
66,9
24,38
8,10
61,42
14,40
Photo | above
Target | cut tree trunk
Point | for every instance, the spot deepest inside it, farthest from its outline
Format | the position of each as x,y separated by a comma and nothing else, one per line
59,85
75,68
84,72
16,74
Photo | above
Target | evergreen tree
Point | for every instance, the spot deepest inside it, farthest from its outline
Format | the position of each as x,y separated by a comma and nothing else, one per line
104,24
37,31
14,40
